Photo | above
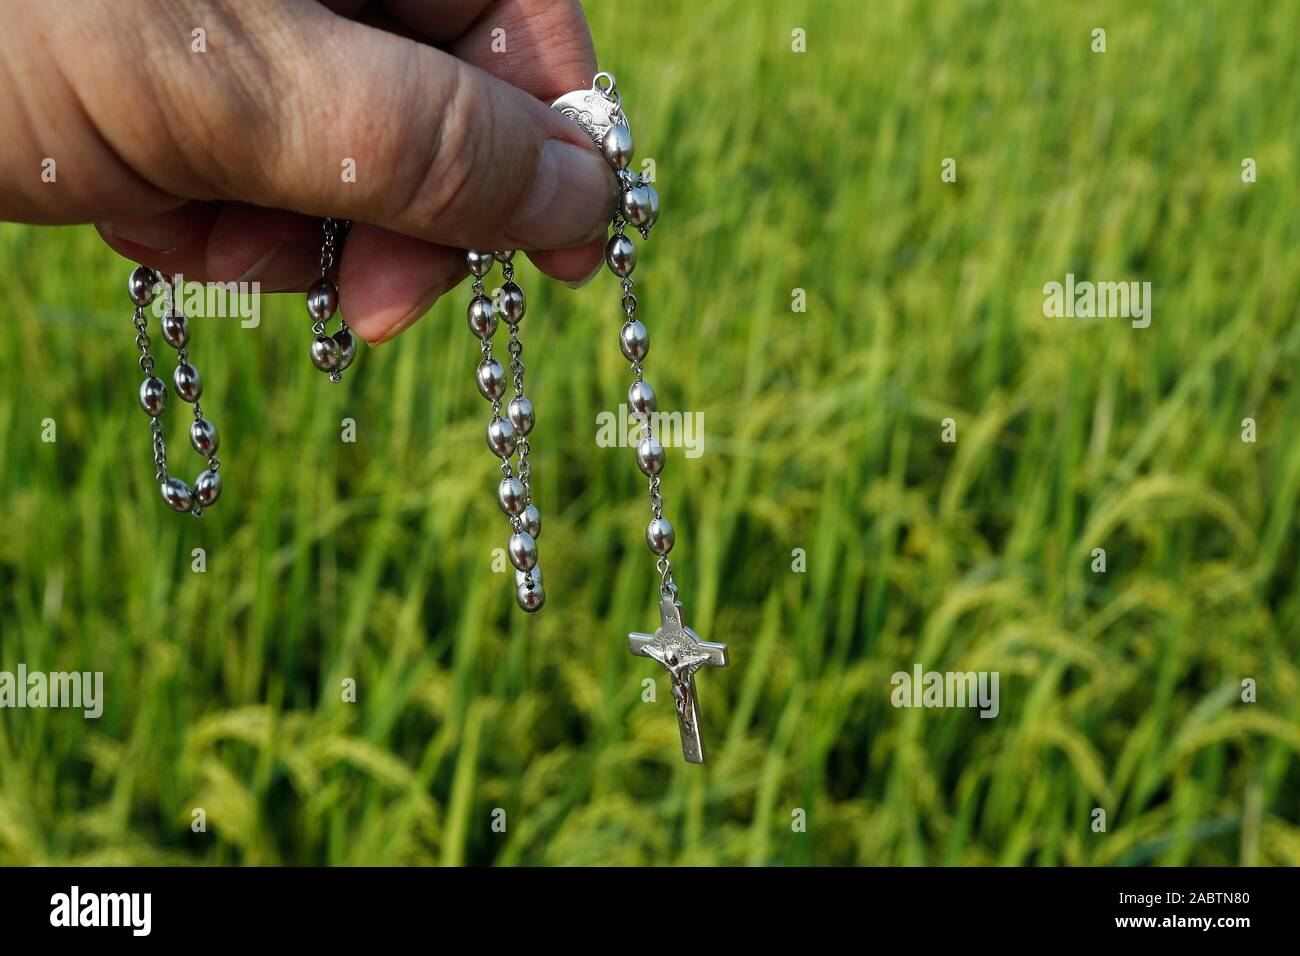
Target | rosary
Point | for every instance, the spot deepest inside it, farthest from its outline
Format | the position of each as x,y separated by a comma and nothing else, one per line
599,112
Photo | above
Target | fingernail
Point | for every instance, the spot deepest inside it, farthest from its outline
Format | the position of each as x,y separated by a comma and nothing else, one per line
161,233
571,198
393,329
579,283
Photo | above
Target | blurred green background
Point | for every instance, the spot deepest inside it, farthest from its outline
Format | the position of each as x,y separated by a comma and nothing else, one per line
778,171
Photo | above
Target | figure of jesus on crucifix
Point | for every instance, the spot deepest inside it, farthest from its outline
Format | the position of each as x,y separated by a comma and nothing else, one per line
681,653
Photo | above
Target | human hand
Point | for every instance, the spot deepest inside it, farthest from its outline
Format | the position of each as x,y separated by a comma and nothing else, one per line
219,164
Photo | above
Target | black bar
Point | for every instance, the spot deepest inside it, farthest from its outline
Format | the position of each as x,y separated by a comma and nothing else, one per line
333,906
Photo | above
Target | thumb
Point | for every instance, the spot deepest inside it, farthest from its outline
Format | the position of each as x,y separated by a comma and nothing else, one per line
344,120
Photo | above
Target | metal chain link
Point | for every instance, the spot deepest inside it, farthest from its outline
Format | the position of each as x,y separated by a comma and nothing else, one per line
521,513
182,358
146,286
516,349
159,451
667,589
605,85
485,349
335,230
142,342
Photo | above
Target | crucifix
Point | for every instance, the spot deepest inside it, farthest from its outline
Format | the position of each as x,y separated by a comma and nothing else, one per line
682,653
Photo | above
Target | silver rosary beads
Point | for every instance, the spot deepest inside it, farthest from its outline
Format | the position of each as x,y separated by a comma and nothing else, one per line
329,353
509,435
599,111
675,646
678,649
142,289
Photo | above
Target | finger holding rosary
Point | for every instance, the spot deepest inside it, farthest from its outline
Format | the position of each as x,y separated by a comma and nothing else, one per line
219,164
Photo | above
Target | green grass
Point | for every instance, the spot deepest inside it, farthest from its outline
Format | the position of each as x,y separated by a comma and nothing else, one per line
777,170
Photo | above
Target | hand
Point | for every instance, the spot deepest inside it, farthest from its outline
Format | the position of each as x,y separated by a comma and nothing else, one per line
219,164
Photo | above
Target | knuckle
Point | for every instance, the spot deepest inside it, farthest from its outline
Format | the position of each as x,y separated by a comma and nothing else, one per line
441,188
215,109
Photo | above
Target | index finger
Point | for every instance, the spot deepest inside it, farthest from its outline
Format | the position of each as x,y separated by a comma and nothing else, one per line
543,47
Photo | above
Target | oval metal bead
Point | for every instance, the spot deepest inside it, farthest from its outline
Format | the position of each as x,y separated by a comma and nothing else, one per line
511,496
186,381
501,437
207,488
177,494
650,456
520,413
641,399
531,519
482,317
480,263
659,535
347,343
153,396
616,146
175,329
140,287
204,437
521,577
510,303
325,353
522,550
491,379
634,339
640,205
322,300
620,256
654,207
530,599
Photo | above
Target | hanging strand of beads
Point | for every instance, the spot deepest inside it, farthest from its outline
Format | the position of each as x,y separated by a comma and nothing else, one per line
508,435
638,207
330,353
188,385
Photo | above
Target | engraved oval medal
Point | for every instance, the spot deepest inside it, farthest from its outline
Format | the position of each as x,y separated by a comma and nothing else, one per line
591,110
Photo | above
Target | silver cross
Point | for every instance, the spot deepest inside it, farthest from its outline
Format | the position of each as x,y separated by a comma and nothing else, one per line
682,653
